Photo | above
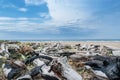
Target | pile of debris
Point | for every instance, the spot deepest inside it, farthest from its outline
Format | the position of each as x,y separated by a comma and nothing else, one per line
38,61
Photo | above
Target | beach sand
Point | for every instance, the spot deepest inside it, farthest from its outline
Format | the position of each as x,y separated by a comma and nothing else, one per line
105,43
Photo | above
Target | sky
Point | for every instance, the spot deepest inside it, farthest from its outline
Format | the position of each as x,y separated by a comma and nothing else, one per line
59,19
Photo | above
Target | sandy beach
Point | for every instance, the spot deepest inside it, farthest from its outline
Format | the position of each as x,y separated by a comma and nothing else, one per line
102,43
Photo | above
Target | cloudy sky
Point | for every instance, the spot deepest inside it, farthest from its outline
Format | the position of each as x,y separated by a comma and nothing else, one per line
59,19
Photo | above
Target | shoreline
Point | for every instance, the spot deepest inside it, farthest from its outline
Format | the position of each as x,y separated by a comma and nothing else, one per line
67,41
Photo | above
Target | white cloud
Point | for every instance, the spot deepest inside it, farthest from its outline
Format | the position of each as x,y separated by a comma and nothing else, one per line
68,10
22,9
6,18
20,18
15,7
77,13
9,6
66,13
44,15
23,24
34,2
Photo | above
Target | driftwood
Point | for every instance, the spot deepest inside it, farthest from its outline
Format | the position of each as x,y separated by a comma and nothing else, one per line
13,69
108,65
29,60
50,63
57,68
68,72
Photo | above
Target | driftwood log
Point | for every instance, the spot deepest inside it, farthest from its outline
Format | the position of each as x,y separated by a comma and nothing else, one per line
58,68
110,65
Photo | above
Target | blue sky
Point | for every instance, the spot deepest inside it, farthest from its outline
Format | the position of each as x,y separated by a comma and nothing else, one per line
59,19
